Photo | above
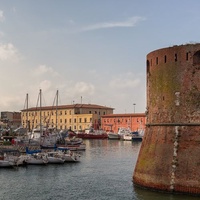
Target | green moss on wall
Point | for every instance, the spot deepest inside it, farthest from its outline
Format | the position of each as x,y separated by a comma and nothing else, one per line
164,82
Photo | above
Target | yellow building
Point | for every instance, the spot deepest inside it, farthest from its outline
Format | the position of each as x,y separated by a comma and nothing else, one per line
75,117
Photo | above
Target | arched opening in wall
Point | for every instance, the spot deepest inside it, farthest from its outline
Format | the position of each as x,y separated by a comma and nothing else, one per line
196,58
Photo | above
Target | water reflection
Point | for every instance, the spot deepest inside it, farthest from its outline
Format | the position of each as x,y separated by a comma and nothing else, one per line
145,194
104,173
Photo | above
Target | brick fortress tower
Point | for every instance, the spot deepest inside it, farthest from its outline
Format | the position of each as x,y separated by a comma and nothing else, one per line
169,158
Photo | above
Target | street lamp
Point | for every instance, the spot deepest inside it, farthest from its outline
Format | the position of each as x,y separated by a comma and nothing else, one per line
134,106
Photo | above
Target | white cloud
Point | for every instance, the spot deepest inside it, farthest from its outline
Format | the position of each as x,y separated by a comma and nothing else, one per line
14,9
8,52
131,22
84,88
2,18
71,21
75,91
44,70
124,81
45,85
1,34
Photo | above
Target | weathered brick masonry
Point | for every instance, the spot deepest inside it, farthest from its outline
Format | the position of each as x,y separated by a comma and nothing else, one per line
169,157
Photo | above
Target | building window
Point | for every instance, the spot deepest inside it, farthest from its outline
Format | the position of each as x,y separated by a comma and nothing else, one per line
187,56
196,58
85,120
175,57
74,120
80,120
65,112
90,112
65,120
60,120
147,63
60,112
70,120
156,60
165,58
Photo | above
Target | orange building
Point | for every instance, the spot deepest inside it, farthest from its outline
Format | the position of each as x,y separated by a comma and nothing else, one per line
113,122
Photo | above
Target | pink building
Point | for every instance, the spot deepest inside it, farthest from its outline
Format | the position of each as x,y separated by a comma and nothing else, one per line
113,122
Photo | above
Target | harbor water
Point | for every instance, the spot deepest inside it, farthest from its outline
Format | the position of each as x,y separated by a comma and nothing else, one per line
104,173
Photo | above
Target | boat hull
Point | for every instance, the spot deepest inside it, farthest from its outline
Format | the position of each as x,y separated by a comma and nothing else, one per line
113,136
5,163
126,137
53,160
36,160
91,136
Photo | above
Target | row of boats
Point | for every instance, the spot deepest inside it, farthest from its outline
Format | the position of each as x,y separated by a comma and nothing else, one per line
126,134
52,152
123,134
51,136
10,157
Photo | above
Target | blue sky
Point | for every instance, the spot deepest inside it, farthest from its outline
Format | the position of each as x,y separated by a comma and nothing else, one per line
87,48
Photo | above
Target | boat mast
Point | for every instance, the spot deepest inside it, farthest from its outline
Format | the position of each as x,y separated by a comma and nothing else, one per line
56,109
27,111
40,94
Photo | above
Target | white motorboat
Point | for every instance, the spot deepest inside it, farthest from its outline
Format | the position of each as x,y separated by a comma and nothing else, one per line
21,160
73,141
126,137
9,157
68,155
37,159
125,134
137,135
6,163
113,136
55,157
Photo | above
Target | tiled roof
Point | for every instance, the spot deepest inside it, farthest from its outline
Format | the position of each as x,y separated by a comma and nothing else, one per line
72,106
125,115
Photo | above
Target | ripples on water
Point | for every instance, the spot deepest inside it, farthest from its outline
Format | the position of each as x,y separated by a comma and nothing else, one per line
104,173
